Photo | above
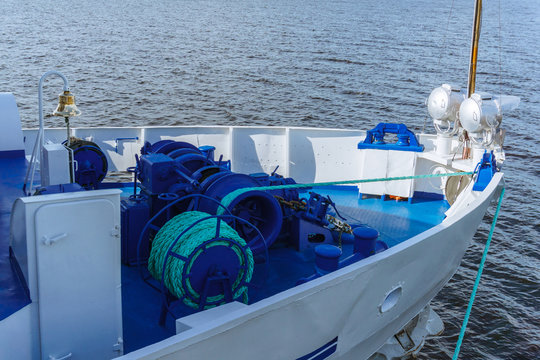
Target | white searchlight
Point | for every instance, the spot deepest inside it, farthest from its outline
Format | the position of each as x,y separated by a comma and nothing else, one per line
443,106
481,116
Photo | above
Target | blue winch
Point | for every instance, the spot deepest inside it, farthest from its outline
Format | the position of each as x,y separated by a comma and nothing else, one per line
169,167
179,181
169,170
90,163
201,261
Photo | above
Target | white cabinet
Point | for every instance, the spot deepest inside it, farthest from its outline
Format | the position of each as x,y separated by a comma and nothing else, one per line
71,262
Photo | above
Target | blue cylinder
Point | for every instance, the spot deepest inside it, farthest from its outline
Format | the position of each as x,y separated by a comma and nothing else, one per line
168,146
327,258
365,240
208,151
257,207
92,165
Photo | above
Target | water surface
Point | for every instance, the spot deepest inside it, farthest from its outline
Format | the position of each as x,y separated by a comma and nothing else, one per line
346,64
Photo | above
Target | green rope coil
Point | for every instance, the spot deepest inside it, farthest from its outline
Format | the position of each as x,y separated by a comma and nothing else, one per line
186,246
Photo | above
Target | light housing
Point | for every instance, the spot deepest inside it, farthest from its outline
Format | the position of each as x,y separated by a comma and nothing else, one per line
480,112
443,103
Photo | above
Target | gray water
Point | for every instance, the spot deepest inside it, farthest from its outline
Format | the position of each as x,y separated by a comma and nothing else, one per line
348,64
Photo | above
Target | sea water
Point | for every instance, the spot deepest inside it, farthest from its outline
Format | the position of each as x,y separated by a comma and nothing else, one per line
349,64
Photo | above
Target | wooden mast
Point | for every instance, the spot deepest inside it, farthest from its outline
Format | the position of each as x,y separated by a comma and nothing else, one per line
474,47
472,66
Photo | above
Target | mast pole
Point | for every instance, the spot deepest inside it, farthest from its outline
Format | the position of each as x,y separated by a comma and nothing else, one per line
474,47
472,66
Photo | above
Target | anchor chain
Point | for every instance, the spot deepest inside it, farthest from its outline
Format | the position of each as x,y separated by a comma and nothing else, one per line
292,204
336,224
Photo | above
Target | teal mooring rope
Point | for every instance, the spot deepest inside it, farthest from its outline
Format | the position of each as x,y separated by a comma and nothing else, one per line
477,281
227,200
205,230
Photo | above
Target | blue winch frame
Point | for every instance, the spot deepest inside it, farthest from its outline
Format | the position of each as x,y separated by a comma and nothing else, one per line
169,300
168,166
166,146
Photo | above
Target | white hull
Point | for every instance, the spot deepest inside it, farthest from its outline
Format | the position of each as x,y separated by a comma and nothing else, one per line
345,304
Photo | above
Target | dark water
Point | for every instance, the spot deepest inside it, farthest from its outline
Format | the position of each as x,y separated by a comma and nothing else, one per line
304,63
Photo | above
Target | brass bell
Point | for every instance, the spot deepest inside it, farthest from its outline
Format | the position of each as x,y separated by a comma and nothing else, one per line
66,105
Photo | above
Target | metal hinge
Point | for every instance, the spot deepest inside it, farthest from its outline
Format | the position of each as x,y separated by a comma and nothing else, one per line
116,231
119,346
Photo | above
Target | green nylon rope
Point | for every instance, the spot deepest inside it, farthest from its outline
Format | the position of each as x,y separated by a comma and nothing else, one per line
228,199
477,281
186,246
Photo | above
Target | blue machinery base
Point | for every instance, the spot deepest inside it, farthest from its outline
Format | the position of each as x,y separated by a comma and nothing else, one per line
400,221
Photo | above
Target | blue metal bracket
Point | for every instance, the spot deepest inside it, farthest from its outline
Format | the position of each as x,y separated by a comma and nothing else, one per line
117,140
407,141
486,169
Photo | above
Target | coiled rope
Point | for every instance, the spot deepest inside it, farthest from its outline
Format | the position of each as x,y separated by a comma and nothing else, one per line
477,281
200,233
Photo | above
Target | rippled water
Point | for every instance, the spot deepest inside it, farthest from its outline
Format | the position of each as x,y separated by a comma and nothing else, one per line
305,63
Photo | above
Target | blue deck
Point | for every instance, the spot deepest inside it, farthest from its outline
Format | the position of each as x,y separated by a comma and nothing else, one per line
396,221
13,295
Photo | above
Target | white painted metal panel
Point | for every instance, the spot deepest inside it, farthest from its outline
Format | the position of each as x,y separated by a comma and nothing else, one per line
317,155
54,135
22,237
431,185
19,335
306,154
201,318
29,138
373,166
388,163
55,167
259,149
11,136
78,266
400,163
118,144
217,136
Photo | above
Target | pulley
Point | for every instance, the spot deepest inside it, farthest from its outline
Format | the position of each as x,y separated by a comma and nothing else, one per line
90,163
257,207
